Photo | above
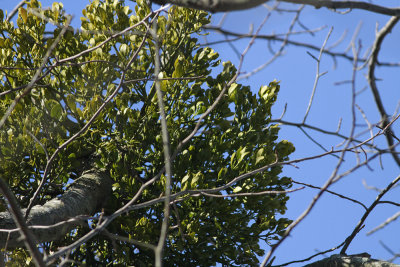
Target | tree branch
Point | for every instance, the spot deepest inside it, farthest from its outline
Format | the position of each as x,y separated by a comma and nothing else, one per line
372,81
16,217
348,5
364,217
231,5
276,37
85,196
214,5
362,259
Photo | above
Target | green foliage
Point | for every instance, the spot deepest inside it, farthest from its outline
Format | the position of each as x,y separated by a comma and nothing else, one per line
125,139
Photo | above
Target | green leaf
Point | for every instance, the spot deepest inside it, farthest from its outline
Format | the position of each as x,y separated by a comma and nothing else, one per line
241,154
164,85
185,178
23,13
99,52
237,189
222,172
56,111
233,157
124,49
179,71
232,92
260,155
71,102
195,179
125,139
126,10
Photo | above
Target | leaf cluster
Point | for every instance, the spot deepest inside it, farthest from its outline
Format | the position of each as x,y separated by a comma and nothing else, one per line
125,138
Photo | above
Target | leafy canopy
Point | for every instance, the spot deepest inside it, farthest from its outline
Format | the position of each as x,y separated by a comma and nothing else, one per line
125,139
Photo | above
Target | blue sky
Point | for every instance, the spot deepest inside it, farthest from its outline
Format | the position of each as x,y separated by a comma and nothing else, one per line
332,219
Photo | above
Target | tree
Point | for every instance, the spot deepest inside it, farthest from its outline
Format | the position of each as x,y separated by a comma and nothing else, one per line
331,162
102,125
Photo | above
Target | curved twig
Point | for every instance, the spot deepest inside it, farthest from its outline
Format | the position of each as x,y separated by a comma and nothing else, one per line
372,80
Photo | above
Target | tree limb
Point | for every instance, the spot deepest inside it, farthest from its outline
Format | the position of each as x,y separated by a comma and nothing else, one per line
372,82
214,5
85,196
16,217
348,5
358,260
231,5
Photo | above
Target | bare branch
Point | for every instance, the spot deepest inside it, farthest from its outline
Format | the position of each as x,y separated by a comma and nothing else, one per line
372,80
327,184
129,240
280,50
333,193
214,6
312,256
366,214
276,37
348,5
318,74
382,225
231,5
269,192
26,234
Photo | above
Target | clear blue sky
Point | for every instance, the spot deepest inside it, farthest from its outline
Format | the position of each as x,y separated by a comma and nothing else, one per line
332,219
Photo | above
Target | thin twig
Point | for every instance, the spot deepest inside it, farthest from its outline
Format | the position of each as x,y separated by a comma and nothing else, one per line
382,225
317,76
313,256
280,50
327,184
128,240
269,192
274,37
333,193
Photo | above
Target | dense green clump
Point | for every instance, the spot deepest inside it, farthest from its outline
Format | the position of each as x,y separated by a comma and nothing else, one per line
125,138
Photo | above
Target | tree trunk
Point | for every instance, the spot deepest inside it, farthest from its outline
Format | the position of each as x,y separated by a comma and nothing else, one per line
85,196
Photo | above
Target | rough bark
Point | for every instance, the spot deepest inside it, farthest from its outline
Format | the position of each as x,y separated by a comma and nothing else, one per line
214,5
351,261
85,196
232,5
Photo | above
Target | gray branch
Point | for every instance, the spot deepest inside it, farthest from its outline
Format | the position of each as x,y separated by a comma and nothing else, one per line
232,5
361,260
85,196
214,5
